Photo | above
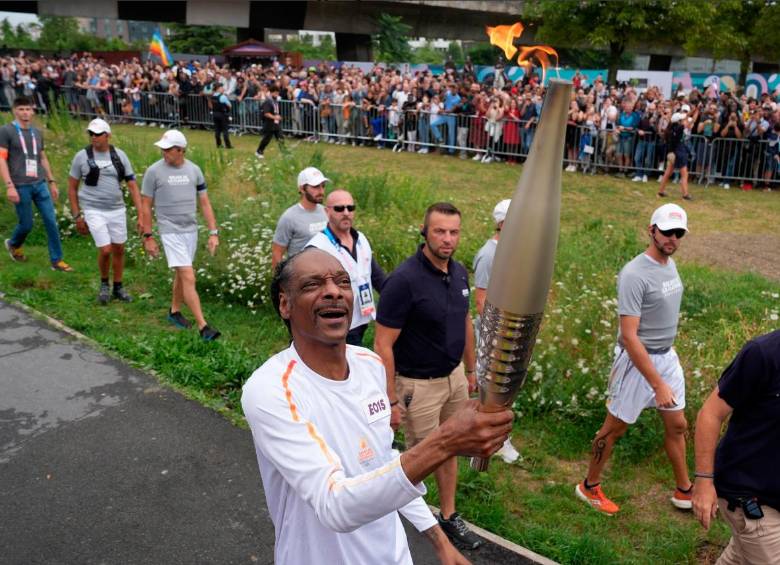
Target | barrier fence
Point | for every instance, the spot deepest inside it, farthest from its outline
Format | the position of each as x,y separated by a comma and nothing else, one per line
587,148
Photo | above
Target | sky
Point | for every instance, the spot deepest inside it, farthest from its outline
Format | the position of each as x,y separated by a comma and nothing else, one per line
18,18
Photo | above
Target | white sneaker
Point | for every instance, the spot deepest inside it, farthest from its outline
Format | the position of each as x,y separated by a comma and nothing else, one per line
644,178
726,185
508,452
477,157
377,137
636,178
487,159
259,155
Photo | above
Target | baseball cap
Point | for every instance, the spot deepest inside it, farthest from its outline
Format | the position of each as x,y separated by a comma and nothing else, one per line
99,126
311,176
676,117
670,217
499,212
171,138
685,108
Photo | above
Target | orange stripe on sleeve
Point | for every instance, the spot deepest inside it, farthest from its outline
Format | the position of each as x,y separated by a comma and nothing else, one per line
4,153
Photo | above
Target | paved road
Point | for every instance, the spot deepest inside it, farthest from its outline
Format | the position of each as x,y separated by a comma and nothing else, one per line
99,464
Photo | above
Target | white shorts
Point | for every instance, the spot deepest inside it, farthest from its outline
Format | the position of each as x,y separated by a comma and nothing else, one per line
180,248
629,391
107,226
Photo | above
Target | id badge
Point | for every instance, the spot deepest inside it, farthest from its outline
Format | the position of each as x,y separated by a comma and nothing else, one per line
31,167
366,298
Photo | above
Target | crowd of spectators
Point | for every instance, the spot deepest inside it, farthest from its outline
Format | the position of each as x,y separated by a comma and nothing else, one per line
611,128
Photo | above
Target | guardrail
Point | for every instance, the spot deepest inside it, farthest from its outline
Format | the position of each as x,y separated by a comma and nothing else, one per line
589,149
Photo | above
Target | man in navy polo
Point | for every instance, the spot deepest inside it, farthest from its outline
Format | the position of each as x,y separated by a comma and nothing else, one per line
423,332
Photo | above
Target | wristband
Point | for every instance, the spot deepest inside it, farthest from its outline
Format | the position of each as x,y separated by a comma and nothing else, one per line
213,232
471,372
148,235
704,475
393,403
79,215
52,181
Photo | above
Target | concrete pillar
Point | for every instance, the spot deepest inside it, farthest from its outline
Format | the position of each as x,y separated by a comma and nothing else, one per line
353,47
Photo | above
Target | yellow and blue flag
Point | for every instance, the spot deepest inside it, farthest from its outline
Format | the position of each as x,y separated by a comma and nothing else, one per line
157,47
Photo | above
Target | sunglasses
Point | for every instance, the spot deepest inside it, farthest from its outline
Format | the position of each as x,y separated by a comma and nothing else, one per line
679,233
93,134
342,207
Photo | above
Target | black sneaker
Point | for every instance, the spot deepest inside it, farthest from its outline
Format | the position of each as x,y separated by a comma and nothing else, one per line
209,334
458,532
179,321
104,296
122,295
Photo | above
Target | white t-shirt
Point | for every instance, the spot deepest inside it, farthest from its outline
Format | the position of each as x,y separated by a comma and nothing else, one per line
332,481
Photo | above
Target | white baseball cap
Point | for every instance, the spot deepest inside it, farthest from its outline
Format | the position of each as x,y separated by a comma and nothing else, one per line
172,138
685,108
670,217
311,176
99,126
499,212
676,117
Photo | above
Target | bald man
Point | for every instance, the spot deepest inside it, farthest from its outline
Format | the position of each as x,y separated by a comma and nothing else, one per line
351,248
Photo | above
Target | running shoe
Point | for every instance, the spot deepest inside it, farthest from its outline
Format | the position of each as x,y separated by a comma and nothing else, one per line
61,266
104,295
682,500
596,498
121,294
178,320
458,532
208,333
16,253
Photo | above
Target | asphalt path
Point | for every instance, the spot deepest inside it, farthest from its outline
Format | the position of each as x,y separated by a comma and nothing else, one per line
100,464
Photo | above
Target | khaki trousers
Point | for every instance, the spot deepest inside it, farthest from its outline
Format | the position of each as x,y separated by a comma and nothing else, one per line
753,542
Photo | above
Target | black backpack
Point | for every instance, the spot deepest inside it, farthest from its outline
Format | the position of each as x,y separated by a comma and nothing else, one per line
94,171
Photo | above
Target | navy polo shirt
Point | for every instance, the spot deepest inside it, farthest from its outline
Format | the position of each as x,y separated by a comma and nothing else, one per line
429,306
747,462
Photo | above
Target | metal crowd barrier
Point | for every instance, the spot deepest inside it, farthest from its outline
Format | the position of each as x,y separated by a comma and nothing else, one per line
587,148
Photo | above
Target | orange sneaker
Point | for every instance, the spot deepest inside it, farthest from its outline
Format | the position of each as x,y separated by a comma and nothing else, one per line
596,498
61,266
682,500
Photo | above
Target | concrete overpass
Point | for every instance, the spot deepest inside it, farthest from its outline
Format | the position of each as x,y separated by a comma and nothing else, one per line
353,22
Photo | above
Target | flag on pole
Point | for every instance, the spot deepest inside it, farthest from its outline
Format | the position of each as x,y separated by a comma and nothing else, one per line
157,47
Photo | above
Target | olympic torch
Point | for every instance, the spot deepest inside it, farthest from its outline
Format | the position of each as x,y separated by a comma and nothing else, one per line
523,266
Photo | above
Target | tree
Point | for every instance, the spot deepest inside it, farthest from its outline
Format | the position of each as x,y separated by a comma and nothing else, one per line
304,44
484,53
58,33
427,54
618,25
742,30
392,41
203,40
455,51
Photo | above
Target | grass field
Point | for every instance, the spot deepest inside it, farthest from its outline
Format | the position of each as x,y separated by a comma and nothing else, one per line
602,225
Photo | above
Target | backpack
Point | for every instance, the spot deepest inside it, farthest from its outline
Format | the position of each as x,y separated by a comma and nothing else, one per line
94,171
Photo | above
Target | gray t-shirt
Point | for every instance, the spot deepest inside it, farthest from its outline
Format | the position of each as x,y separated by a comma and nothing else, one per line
653,292
483,263
9,139
297,226
107,194
174,190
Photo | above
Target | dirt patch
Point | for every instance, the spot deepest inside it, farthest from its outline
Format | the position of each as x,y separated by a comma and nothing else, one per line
756,253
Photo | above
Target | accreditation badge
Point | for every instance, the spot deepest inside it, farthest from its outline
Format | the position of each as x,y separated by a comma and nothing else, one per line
366,299
31,167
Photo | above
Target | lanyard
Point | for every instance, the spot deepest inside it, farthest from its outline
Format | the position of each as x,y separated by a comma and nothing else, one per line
24,145
342,250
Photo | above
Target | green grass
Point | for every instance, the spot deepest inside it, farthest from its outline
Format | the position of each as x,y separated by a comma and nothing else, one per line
561,406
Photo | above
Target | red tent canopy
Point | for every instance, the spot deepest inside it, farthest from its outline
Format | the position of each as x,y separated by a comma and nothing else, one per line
251,48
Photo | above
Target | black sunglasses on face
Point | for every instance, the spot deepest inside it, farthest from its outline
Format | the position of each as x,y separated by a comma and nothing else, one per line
93,134
342,207
679,233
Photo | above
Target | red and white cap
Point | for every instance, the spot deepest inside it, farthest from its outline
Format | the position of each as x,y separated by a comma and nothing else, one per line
670,217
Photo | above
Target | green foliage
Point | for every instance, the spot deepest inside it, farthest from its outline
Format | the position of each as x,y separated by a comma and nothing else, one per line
455,51
58,33
484,53
427,54
17,37
391,43
203,40
304,44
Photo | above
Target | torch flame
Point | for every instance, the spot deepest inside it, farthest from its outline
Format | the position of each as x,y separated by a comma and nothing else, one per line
503,37
541,53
